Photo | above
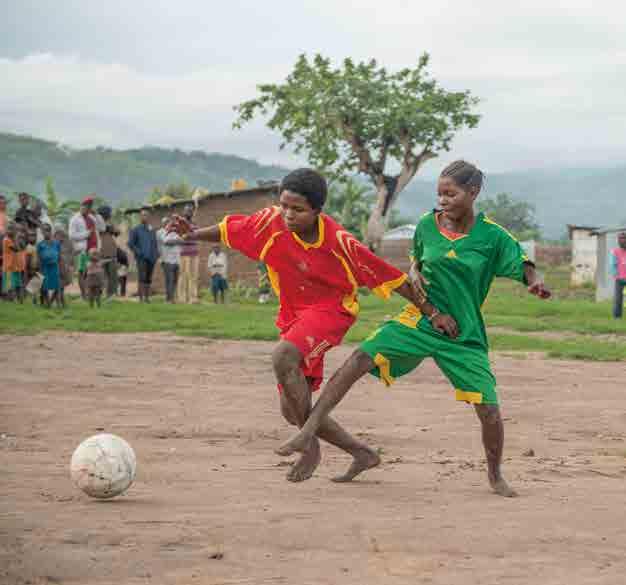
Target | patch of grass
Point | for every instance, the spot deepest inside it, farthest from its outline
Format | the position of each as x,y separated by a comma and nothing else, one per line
515,309
508,306
575,349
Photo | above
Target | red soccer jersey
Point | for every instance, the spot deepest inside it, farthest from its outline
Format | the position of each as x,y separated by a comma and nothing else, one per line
324,275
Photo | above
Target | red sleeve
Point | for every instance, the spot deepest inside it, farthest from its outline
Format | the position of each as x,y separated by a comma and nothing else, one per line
368,269
249,233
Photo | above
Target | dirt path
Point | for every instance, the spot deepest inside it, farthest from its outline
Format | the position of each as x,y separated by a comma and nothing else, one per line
211,506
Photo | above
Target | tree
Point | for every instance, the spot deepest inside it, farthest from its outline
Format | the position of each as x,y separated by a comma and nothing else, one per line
171,192
516,216
350,203
59,211
359,117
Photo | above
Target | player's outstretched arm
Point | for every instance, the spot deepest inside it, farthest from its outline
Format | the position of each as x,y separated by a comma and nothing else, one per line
535,283
207,234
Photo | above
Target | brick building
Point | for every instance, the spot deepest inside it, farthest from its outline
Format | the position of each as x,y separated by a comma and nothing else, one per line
211,209
397,245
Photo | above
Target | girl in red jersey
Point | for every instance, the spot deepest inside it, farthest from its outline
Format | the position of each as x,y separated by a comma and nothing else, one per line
315,268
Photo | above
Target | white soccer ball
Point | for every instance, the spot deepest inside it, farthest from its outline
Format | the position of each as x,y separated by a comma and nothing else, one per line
103,466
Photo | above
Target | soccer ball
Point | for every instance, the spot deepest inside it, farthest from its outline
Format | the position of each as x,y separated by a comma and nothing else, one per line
103,466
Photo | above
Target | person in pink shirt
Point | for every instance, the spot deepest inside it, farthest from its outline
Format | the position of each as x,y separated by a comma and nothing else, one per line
3,214
617,269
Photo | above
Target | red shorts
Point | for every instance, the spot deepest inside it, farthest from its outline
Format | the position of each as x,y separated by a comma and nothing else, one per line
314,332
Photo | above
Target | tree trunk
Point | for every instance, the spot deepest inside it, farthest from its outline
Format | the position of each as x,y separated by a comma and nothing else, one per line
377,223
379,219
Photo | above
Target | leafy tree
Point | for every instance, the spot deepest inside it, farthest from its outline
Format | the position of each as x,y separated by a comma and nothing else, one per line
350,203
173,191
516,216
59,211
360,117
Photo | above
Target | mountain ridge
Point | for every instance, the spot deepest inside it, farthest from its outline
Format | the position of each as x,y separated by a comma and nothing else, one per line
576,195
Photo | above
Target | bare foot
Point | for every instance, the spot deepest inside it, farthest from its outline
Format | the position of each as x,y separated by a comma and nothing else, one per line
363,461
500,487
305,466
299,443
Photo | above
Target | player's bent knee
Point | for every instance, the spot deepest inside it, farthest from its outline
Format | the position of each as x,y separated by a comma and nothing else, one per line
285,357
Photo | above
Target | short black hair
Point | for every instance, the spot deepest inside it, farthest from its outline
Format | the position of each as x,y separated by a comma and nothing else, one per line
105,211
308,183
464,174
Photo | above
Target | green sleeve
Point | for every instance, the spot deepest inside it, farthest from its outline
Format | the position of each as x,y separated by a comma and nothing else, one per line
418,245
511,258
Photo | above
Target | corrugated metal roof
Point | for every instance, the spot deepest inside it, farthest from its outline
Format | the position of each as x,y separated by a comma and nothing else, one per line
401,232
179,202
609,230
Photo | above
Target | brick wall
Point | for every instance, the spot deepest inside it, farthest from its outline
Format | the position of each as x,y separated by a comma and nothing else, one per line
211,211
396,252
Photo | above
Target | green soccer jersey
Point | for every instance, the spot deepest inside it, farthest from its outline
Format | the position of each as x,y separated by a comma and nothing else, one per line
460,271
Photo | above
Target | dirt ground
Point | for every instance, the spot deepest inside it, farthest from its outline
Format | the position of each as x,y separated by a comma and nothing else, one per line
210,504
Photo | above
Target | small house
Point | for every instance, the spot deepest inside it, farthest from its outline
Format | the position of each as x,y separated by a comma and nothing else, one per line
396,246
606,240
211,209
584,253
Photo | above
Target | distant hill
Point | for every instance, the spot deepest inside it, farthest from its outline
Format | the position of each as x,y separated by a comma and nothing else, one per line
587,196
118,175
593,196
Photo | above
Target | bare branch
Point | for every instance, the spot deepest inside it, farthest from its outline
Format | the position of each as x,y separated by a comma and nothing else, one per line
382,157
365,160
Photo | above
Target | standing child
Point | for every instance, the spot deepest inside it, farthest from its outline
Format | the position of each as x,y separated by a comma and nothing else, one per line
122,273
13,264
66,264
49,253
32,267
94,279
459,252
218,271
316,268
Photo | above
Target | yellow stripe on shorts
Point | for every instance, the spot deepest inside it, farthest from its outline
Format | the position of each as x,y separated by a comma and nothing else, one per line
384,367
471,397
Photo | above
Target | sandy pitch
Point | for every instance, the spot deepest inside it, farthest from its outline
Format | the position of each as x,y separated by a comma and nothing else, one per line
210,504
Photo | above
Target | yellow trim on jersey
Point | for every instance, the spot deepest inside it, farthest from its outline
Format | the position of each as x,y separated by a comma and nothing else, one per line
268,245
349,302
384,367
472,397
410,316
224,231
385,289
320,238
274,281
491,222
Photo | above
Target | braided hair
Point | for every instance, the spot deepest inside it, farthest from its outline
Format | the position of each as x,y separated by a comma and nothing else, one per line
464,174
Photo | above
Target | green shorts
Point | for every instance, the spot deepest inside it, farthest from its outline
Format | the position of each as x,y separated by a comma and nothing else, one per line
83,260
12,281
399,346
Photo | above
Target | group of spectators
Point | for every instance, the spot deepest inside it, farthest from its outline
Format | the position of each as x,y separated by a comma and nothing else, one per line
40,258
180,260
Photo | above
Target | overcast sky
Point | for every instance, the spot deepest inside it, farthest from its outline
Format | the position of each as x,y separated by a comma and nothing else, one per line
124,73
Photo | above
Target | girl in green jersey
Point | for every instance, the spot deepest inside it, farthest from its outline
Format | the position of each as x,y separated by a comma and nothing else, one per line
457,254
